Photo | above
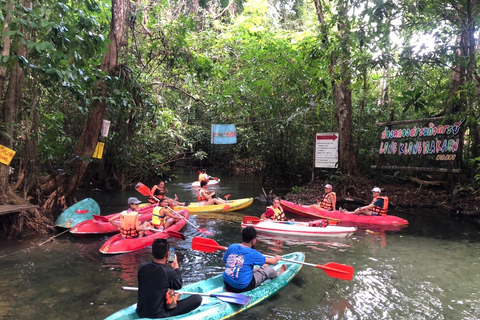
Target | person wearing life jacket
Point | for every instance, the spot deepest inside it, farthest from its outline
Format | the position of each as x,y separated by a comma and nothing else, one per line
329,199
378,207
206,197
129,225
162,217
203,176
275,212
159,192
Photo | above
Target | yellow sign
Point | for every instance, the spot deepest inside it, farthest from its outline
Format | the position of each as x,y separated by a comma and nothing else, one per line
6,155
99,150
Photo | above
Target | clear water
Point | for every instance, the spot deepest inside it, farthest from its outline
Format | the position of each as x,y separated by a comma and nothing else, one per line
429,270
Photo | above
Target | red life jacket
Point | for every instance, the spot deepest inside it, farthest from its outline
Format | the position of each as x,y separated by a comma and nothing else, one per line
382,211
203,197
328,205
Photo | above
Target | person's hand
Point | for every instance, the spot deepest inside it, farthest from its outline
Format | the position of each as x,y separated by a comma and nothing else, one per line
278,258
174,264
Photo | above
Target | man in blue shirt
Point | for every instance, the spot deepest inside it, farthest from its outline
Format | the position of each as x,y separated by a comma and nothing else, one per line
240,259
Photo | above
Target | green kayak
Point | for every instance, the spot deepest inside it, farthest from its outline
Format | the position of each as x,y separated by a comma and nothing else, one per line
80,211
213,308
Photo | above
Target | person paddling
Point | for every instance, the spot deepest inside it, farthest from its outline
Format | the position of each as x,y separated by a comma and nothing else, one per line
156,280
240,259
206,197
203,176
162,217
129,224
378,207
159,192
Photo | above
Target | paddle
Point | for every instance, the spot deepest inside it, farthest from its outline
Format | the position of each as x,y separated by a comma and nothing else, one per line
255,220
100,218
230,297
198,229
171,233
332,269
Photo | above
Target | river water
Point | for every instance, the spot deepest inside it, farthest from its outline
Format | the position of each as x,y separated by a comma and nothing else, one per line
429,270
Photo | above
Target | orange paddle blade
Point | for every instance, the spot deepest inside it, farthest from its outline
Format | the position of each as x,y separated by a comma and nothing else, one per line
337,270
143,189
206,245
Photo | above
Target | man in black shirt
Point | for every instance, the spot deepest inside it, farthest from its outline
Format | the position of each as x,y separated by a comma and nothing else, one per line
154,280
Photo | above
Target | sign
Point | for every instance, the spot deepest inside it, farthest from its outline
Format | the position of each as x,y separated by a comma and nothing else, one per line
224,134
326,150
6,155
105,128
98,150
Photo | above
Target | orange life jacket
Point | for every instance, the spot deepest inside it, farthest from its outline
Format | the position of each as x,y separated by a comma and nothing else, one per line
203,197
157,219
382,211
328,205
128,224
157,193
278,215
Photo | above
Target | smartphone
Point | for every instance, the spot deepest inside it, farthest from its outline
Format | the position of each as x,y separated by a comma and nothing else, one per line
172,254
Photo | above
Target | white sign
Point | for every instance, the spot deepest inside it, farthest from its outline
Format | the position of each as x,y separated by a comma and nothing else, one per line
326,150
105,128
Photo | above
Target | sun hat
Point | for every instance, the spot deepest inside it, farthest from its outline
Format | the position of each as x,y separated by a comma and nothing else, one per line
376,189
329,186
134,200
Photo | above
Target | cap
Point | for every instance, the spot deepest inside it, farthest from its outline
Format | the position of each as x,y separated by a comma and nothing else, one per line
329,186
376,189
134,200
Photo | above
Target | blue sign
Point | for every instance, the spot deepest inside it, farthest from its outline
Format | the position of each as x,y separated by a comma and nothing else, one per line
224,134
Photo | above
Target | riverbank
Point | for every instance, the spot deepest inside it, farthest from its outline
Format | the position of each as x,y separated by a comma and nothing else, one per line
404,196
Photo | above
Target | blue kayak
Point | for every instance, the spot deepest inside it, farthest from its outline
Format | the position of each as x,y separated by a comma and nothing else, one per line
80,211
213,308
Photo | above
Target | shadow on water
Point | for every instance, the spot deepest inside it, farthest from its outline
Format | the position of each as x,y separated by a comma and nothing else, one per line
428,270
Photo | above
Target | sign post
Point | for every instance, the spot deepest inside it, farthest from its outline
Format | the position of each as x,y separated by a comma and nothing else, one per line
326,150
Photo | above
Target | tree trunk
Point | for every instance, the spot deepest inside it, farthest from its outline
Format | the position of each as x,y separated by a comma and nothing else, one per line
62,188
342,95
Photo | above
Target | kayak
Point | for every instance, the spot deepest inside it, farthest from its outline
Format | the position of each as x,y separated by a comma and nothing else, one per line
309,211
238,204
213,308
299,229
117,244
80,211
101,225
196,184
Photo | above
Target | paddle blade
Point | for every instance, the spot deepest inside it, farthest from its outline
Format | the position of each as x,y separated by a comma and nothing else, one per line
175,234
216,179
232,297
251,220
143,189
206,245
100,218
337,270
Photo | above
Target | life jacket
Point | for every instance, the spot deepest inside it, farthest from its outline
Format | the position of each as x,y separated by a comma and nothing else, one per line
157,219
128,224
202,177
328,205
381,211
157,193
203,197
278,215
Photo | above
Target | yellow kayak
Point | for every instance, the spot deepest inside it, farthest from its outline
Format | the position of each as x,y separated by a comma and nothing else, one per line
238,204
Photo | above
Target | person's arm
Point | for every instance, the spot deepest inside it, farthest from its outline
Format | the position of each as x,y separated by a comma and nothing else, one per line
268,214
273,260
365,208
174,275
112,220
334,202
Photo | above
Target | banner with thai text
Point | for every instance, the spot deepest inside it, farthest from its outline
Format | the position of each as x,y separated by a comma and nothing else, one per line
6,155
224,134
431,144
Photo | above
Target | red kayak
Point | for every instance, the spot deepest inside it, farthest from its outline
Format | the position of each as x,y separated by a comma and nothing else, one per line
117,244
100,224
308,211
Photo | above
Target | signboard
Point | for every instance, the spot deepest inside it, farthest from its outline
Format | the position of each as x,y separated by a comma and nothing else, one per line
6,155
98,150
326,150
105,128
430,144
224,134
